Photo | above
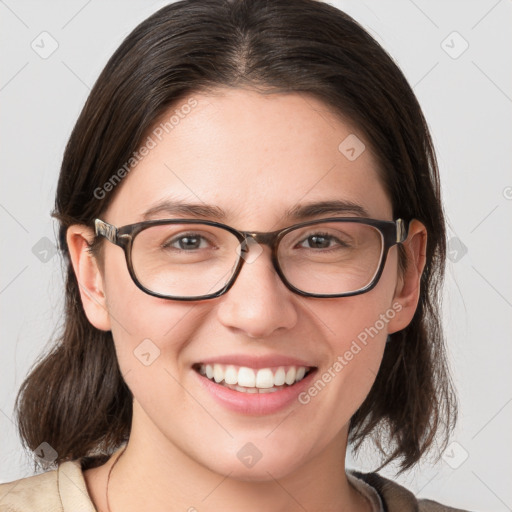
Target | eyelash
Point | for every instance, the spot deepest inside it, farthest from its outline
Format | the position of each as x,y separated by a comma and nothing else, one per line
328,236
196,235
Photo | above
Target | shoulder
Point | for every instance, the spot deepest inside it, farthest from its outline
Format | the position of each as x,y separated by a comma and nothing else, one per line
397,498
60,489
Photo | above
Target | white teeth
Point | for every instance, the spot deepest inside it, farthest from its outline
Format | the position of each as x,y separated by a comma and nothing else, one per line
252,381
254,390
218,374
265,378
290,376
279,377
246,376
231,375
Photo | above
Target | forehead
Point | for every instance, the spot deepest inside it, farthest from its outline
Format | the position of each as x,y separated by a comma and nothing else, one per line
253,156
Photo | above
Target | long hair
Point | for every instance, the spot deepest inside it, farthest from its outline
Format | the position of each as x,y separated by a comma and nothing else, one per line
75,398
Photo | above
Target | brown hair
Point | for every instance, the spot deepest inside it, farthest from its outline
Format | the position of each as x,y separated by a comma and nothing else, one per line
75,398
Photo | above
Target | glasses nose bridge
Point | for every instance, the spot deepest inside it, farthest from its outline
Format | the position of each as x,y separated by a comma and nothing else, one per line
262,237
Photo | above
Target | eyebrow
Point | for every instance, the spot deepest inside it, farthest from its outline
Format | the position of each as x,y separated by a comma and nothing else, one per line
296,213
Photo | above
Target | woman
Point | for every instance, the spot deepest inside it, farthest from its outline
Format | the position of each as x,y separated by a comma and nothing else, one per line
250,213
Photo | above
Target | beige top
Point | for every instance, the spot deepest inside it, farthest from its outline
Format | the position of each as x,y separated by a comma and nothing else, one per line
64,490
61,489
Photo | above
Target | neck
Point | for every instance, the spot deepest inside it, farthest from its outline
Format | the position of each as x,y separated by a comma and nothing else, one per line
155,474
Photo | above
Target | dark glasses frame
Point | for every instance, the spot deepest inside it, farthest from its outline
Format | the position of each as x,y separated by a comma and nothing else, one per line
393,232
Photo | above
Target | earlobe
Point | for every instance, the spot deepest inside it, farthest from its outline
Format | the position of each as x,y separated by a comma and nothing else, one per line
408,287
88,275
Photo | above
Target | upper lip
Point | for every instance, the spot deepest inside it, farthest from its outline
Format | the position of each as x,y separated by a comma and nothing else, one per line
257,362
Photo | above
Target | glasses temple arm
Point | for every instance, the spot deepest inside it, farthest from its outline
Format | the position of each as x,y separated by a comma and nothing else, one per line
402,230
106,230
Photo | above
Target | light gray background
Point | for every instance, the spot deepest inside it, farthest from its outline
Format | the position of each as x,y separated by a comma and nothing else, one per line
467,100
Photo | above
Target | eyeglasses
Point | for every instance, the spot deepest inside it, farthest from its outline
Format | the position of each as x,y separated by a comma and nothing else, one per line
187,259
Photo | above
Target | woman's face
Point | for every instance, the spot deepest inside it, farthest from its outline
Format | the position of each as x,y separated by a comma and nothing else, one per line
255,157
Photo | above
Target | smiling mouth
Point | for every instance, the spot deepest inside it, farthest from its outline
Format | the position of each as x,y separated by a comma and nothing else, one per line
250,380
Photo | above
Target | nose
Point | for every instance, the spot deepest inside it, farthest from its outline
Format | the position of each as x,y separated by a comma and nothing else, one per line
258,303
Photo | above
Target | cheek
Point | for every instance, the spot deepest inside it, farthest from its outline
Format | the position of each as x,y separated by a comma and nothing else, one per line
355,348
356,327
146,330
355,331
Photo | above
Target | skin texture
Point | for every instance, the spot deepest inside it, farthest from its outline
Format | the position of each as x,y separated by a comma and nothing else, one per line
255,156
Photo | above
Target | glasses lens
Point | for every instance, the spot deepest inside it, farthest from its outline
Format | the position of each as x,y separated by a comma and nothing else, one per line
191,260
184,260
331,258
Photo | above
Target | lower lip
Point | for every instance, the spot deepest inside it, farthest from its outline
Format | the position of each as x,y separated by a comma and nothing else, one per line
255,403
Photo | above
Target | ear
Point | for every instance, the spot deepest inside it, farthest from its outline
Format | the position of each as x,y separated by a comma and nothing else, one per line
88,275
407,291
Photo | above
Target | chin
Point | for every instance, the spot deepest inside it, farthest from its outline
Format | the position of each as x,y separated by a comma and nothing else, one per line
265,469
